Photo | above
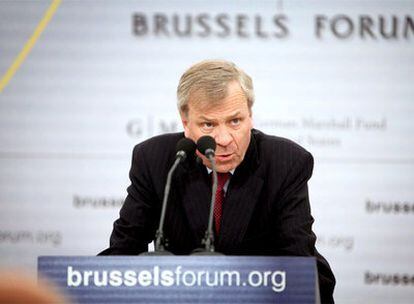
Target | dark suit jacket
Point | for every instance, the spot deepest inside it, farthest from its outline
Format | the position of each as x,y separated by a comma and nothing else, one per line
266,209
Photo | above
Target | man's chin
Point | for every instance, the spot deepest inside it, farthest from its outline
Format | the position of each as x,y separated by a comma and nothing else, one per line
223,168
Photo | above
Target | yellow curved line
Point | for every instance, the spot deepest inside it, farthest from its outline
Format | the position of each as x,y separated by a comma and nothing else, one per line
29,44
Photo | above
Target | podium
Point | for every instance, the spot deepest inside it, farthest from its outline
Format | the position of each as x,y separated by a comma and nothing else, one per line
183,279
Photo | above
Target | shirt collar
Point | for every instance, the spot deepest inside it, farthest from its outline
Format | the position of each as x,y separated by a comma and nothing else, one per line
209,171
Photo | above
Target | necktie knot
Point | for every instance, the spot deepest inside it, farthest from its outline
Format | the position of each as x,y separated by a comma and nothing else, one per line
222,178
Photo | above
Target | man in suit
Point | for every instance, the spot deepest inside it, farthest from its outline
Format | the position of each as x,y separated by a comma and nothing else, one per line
264,208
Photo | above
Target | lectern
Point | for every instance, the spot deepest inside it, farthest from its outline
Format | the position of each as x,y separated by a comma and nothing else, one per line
183,279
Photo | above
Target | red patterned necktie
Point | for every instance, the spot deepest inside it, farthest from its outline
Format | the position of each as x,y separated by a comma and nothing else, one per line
222,178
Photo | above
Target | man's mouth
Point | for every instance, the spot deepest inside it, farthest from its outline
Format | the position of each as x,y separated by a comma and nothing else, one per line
223,157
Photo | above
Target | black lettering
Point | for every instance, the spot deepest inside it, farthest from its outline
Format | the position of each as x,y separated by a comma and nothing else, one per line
185,30
366,26
396,279
406,207
371,278
241,24
397,208
405,279
97,202
408,26
134,128
202,20
16,236
222,20
319,25
346,23
77,202
25,235
371,206
386,279
392,29
53,237
387,208
168,128
279,21
160,27
258,27
56,238
139,24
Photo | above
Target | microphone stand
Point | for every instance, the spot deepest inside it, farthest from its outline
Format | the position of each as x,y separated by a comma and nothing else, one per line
159,246
208,240
159,241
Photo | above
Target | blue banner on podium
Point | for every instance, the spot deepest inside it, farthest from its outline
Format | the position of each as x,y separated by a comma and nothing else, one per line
183,279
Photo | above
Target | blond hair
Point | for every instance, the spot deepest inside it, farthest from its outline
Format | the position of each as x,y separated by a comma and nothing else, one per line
211,78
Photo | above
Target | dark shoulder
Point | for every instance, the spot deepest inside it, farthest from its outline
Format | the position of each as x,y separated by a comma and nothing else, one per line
159,146
165,140
280,149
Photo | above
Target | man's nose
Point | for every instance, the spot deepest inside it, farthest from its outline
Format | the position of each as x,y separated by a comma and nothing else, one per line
223,136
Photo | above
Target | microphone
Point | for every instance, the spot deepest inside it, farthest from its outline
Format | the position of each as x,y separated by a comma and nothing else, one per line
207,146
184,148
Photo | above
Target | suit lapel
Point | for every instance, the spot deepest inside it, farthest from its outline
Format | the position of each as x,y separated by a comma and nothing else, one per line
237,211
195,191
242,196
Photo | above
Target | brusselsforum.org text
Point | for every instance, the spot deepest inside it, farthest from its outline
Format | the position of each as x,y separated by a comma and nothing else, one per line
276,280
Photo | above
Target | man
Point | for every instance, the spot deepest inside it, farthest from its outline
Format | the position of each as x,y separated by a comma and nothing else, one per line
265,210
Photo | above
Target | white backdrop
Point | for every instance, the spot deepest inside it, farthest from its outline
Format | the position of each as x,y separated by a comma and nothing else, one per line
335,76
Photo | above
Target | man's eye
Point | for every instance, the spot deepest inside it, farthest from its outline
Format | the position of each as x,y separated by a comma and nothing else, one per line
235,121
207,125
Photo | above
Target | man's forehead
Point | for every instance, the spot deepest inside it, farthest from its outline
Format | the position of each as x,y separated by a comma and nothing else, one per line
212,116
205,103
200,99
212,108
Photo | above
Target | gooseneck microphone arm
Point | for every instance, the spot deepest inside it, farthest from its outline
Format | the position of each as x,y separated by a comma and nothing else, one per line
208,240
159,235
184,148
207,145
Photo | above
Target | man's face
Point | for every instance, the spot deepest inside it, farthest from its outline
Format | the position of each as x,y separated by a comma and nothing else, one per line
229,122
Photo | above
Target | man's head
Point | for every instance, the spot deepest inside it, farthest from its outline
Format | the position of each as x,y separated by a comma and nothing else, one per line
215,98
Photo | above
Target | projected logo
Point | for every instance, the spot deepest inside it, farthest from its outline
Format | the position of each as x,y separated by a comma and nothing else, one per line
372,27
147,126
389,207
248,26
391,279
344,243
206,25
81,201
51,238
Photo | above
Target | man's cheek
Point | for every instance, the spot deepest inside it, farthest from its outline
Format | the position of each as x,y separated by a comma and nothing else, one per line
190,134
187,132
199,154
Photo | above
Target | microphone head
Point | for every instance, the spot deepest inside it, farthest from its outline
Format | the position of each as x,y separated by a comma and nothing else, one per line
206,145
185,147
